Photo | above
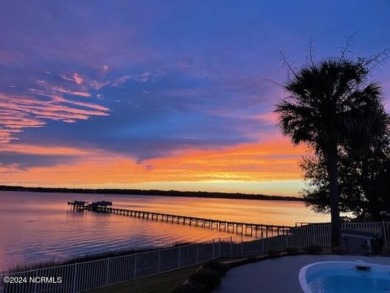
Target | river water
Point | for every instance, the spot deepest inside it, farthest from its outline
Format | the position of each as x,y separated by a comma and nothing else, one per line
38,227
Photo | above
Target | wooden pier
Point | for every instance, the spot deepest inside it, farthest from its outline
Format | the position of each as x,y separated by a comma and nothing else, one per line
239,228
78,204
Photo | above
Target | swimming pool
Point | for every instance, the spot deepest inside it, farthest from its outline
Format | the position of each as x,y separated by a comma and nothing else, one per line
344,276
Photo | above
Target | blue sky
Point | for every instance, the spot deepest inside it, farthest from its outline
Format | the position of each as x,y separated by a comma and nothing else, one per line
146,82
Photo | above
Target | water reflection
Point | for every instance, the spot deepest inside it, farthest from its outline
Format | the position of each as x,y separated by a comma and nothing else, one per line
36,227
75,213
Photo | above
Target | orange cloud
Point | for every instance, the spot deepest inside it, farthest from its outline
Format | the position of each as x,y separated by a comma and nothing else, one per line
275,160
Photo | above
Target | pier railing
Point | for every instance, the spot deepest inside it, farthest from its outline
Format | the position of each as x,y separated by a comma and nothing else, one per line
238,228
84,276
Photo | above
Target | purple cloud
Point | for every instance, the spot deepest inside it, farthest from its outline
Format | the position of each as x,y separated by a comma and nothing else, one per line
146,80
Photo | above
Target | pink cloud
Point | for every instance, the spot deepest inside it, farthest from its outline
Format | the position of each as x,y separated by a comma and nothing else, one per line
141,77
70,92
33,149
59,99
268,118
78,79
5,136
20,112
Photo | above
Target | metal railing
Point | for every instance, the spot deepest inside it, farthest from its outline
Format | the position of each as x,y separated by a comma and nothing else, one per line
84,276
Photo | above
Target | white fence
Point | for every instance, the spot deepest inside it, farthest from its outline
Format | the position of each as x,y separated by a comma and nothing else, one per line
99,273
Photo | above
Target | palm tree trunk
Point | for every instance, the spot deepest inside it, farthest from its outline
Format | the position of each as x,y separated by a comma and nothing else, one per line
334,196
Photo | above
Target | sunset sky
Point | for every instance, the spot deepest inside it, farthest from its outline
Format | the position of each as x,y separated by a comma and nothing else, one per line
165,94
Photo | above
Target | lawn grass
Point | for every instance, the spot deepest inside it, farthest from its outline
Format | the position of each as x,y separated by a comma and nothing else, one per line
162,283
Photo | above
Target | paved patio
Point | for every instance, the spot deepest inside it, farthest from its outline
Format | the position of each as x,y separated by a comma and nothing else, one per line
279,275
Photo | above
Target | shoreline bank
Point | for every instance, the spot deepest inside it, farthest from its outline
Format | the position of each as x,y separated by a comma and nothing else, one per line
152,192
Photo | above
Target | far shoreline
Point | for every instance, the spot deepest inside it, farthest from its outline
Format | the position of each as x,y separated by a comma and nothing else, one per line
198,194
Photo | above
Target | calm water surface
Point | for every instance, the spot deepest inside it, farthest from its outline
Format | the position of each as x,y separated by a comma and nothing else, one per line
36,227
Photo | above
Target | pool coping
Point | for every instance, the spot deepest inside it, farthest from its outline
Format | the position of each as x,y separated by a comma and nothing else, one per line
280,274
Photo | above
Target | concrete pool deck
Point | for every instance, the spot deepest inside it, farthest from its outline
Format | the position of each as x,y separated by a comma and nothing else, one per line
280,275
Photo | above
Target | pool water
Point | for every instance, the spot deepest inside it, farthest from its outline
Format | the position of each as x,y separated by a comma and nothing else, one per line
345,277
343,283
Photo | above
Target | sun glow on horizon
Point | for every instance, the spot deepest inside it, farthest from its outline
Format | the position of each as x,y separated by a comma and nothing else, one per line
268,168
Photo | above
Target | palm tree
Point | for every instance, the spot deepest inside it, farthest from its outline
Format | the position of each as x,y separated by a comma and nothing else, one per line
331,105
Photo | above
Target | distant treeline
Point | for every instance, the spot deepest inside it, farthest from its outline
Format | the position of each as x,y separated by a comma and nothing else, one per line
152,192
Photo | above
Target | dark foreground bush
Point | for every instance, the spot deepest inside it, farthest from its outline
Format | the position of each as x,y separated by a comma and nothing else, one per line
292,250
386,251
273,253
215,265
205,279
313,249
208,277
338,250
